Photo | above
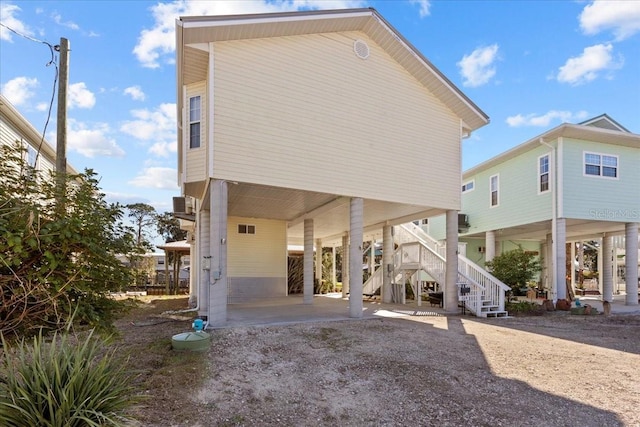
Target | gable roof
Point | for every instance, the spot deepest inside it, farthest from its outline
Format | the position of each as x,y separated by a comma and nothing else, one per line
192,33
605,122
585,131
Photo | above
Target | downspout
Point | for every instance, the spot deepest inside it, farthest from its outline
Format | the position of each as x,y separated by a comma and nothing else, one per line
554,219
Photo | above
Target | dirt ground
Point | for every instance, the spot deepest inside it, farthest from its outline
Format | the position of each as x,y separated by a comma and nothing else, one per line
551,370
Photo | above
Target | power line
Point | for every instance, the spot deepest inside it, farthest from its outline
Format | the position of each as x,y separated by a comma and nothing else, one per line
52,49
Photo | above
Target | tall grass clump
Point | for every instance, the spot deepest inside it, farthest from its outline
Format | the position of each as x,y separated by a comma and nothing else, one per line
64,382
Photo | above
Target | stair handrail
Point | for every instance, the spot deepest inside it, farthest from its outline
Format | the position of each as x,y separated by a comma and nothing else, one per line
494,289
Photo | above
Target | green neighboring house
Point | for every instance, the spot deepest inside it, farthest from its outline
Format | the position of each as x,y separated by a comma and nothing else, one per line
572,184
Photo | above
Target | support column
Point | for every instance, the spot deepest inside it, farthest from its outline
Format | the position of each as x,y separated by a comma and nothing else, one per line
387,263
490,245
560,265
333,267
319,262
631,262
451,272
607,268
218,287
203,262
345,265
355,257
308,262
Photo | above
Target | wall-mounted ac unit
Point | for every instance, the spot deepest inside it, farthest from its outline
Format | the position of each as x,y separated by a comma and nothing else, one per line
463,223
183,208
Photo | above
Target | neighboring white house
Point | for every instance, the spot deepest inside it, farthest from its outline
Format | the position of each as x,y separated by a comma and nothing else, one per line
14,127
311,128
571,184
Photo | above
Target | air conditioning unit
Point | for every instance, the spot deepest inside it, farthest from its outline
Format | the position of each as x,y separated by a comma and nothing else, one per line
182,205
463,223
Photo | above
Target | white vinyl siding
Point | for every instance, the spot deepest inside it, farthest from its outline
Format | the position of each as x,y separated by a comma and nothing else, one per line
543,174
263,254
306,112
603,165
494,190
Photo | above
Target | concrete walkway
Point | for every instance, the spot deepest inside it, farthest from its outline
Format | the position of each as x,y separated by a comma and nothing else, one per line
332,307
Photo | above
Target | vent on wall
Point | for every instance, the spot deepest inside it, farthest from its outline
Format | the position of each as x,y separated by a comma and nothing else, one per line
361,49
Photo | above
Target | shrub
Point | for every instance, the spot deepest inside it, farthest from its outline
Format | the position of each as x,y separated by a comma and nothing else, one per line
525,307
63,383
515,268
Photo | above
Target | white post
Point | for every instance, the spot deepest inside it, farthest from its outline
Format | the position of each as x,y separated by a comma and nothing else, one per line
607,268
333,266
387,262
451,272
490,245
561,259
308,262
631,262
355,257
218,249
345,265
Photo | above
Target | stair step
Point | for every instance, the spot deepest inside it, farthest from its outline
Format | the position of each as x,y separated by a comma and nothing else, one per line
489,307
497,313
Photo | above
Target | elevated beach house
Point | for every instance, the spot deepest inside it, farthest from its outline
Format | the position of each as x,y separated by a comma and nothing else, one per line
310,128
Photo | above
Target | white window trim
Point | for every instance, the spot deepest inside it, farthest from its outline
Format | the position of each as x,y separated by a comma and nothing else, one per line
473,181
584,165
497,176
539,175
247,228
199,121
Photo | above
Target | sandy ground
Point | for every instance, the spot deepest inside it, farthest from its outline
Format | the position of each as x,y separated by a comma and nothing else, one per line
551,370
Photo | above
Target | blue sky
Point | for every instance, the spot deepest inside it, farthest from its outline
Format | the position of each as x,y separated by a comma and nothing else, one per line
530,65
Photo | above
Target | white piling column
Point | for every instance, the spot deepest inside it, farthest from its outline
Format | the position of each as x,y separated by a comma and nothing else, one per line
451,271
561,259
345,265
203,262
607,268
490,245
355,257
319,262
387,262
308,262
631,262
218,281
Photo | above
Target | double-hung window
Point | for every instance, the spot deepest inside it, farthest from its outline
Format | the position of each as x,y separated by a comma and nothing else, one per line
543,173
494,186
194,122
600,165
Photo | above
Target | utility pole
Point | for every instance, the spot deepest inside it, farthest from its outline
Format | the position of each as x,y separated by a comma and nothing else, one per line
61,140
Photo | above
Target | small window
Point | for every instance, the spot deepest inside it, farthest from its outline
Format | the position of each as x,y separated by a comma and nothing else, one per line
600,165
493,184
246,229
194,122
468,186
543,174
32,156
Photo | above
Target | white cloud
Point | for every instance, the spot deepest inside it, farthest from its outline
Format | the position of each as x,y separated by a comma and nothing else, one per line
478,67
586,67
8,18
19,90
79,96
621,17
424,6
57,18
159,41
158,127
545,119
135,92
156,177
92,142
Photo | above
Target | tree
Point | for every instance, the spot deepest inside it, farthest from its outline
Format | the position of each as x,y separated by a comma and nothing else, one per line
57,266
515,268
169,227
144,216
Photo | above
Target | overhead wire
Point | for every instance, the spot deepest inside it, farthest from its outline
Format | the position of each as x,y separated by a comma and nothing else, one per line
52,49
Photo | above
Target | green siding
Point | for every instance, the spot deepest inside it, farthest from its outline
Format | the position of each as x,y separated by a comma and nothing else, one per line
598,198
519,200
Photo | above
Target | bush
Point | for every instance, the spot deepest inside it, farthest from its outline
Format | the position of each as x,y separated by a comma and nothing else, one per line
63,383
524,307
514,268
57,253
